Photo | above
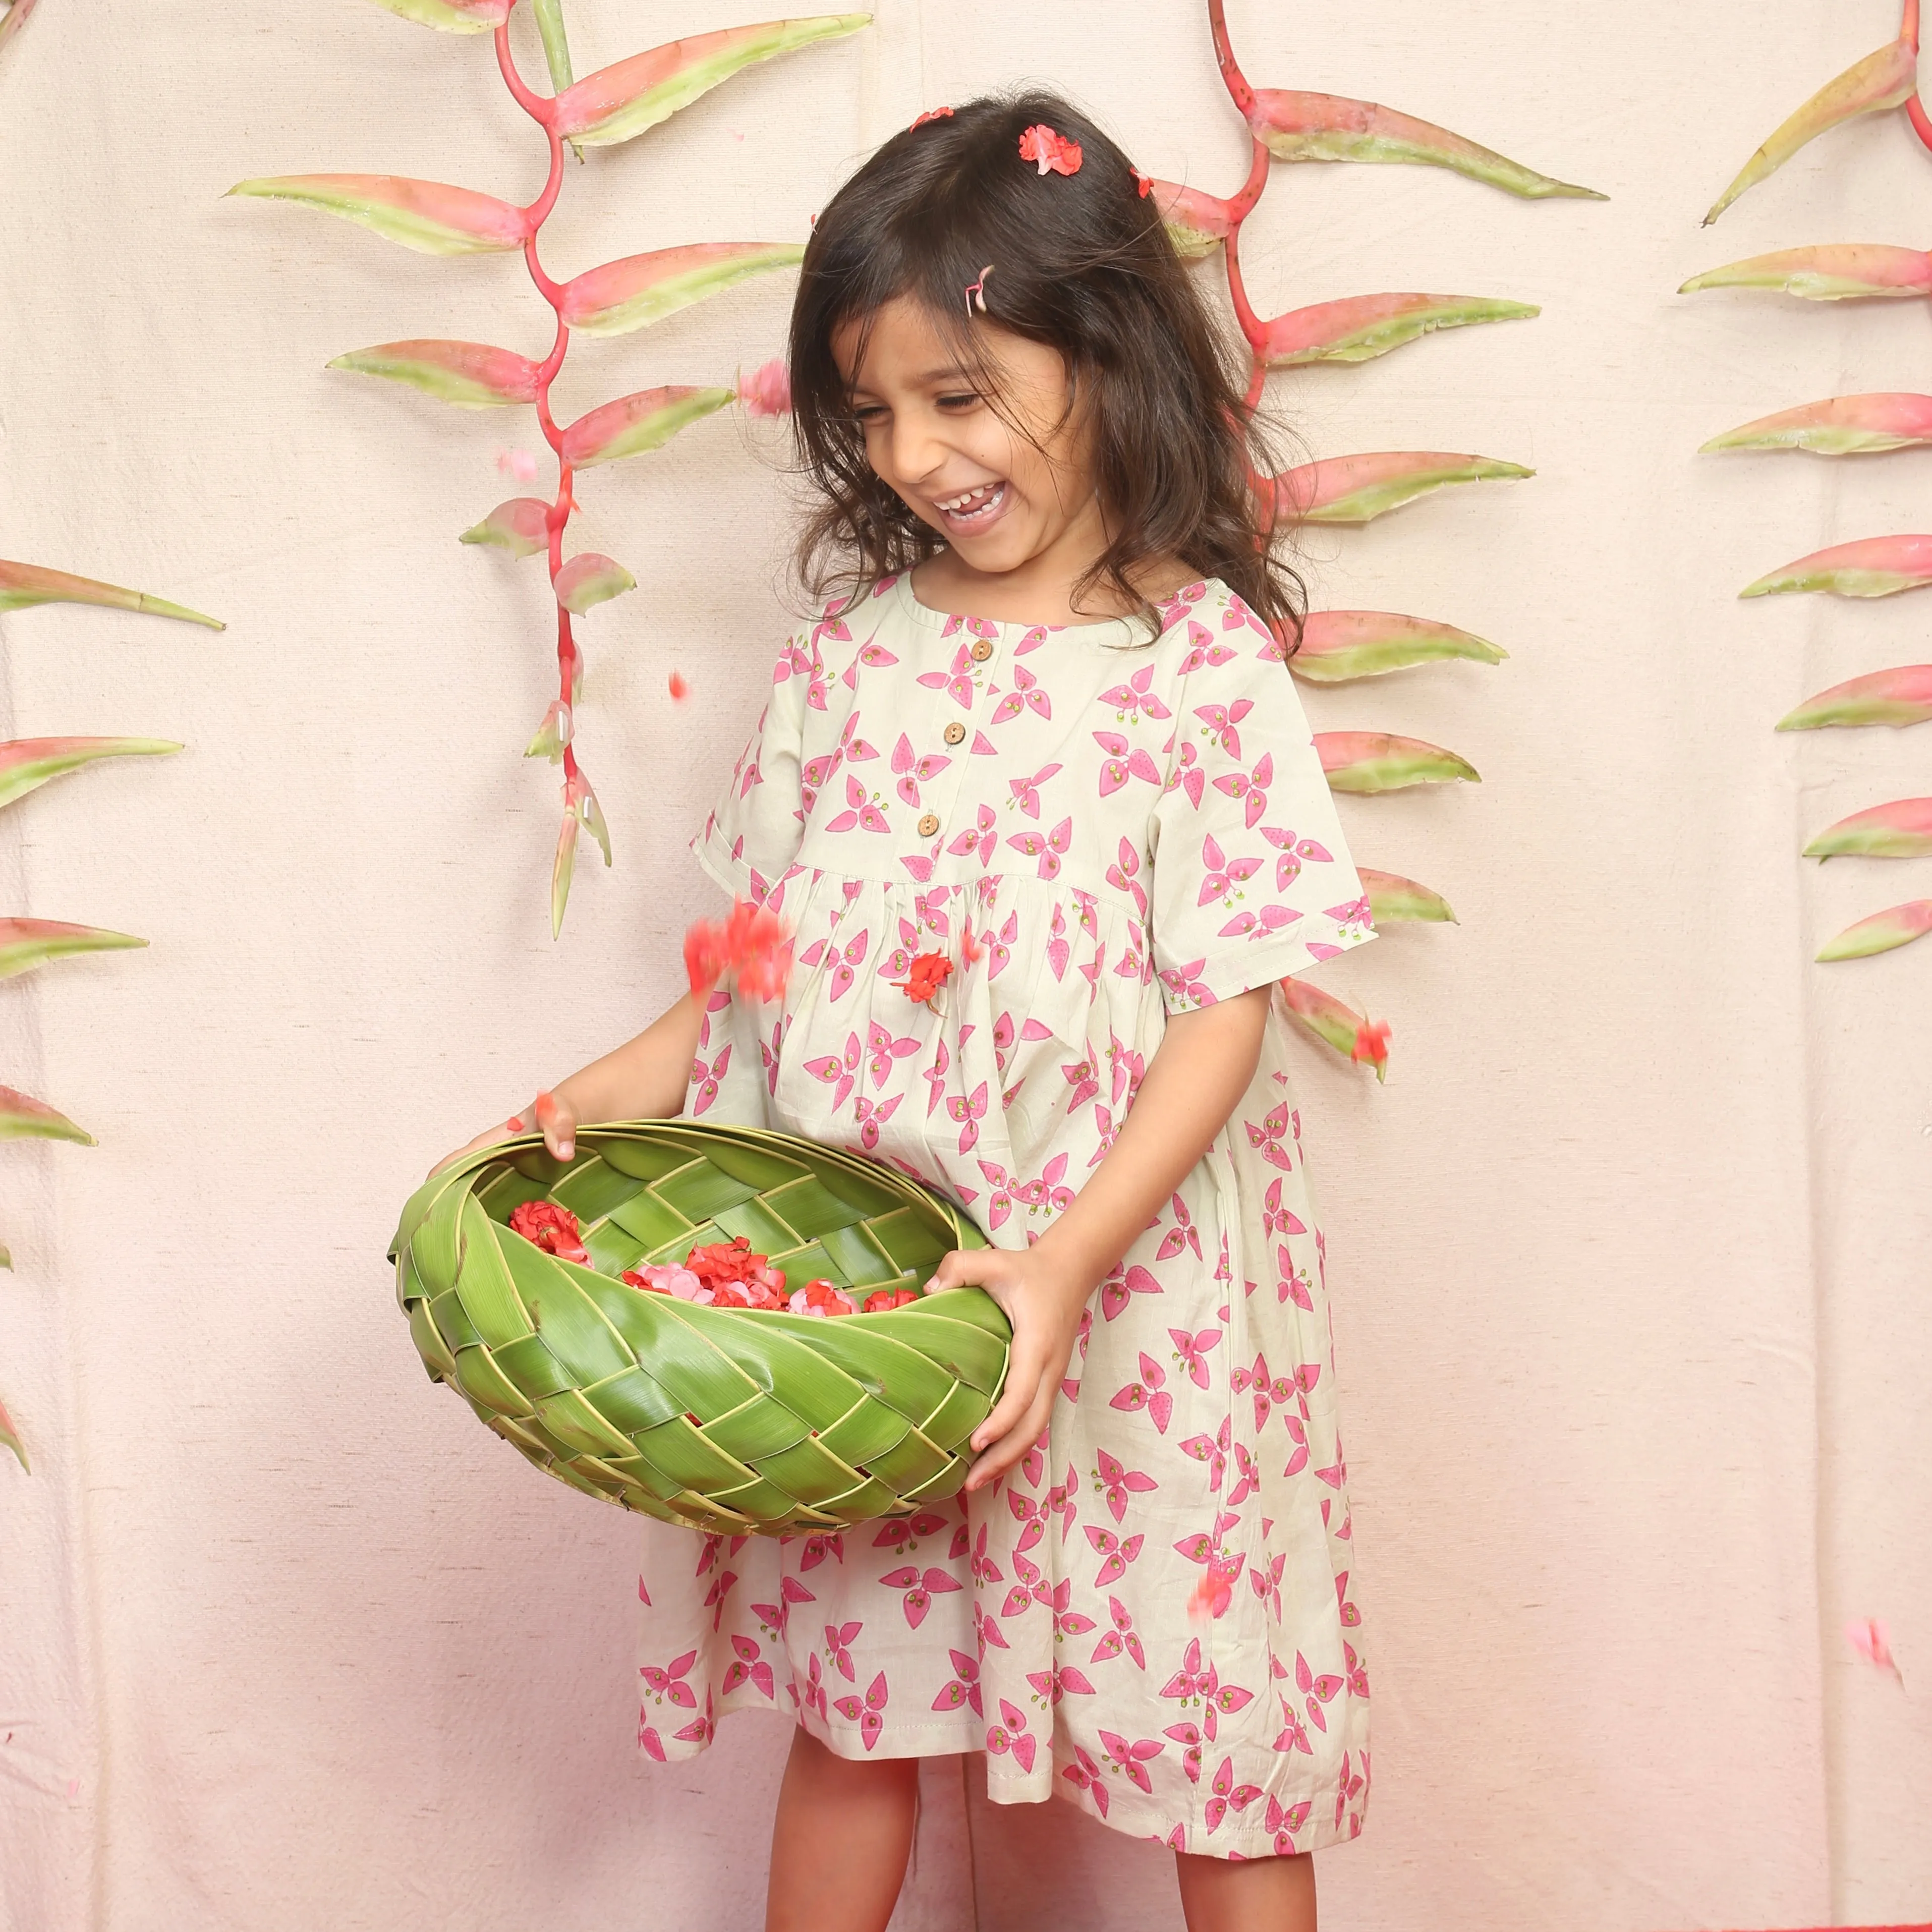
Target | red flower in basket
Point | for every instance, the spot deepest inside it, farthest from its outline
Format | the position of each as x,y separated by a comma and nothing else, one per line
737,1277
930,971
551,1227
880,1299
821,1297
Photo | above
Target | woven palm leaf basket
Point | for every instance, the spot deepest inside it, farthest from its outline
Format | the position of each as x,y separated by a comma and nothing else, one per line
720,1418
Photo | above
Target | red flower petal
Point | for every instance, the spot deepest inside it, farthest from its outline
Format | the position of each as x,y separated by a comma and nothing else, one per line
1054,152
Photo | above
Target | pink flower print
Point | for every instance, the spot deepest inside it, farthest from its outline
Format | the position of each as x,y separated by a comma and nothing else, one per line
1220,721
1298,1434
1121,1638
1058,953
1150,1393
1224,876
984,835
1070,1387
1135,698
957,683
1036,635
1122,876
665,1684
1353,914
1358,1676
1050,1190
1183,1234
816,774
1117,1552
776,1616
1316,1690
903,1534
884,1049
1184,982
1000,945
839,1072
1029,1590
984,1569
1010,1734
1116,1482
846,964
1282,1825
1188,776
1277,1219
1030,1516
818,1547
1336,1474
1292,850
707,1076
968,1111
1190,1682
1048,848
1267,1581
1267,1393
934,1077
838,1648
872,1115
1126,1070
1351,1617
1001,1196
861,810
748,1667
1212,1450
1084,1773
1293,1734
815,1689
1266,1139
986,1631
1124,761
870,1715
1080,1076
1291,1283
1248,1476
715,1597
913,771
1026,695
1351,1786
1061,1680
1251,787
919,1589
1063,1500
1188,1736
1193,1350
1229,1796
875,657
1116,1289
793,661
1067,1621
1207,650
964,1688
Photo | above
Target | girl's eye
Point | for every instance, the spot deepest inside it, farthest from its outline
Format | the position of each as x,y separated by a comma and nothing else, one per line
959,402
870,412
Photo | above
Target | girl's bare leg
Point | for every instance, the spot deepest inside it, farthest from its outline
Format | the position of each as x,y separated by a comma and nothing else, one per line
1247,1894
841,1839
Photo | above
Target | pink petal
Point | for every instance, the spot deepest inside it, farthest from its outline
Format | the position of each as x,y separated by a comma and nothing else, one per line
1836,271
430,217
1870,567
24,585
646,420
1375,761
1840,426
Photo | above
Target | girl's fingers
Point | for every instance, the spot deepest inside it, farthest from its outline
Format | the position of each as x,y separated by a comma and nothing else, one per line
1006,1452
558,1120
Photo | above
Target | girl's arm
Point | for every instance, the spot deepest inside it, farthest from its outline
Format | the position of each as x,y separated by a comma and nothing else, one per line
644,1079
1201,1070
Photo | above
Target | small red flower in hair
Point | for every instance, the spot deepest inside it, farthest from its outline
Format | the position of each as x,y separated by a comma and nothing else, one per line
934,114
1146,182
1055,153
930,971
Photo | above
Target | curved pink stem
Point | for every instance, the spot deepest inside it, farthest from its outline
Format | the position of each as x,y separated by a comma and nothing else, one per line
1253,326
539,107
1908,30
1242,94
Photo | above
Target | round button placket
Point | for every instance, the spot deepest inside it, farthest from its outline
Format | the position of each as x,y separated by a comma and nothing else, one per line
982,650
928,826
956,733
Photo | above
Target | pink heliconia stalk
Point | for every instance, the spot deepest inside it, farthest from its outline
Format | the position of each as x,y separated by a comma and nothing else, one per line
1897,926
14,17
589,580
1393,900
1871,567
1337,1025
521,527
1339,646
1356,489
24,585
472,375
641,290
1197,222
633,424
27,763
1886,78
28,942
453,16
1376,761
1362,327
766,390
22,1118
9,1435
1900,829
1840,426
1834,271
1899,697
430,217
620,102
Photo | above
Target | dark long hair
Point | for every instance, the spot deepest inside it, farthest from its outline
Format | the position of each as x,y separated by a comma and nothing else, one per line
1081,262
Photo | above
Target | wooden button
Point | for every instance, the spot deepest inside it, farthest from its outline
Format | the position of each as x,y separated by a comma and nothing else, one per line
956,733
981,650
928,826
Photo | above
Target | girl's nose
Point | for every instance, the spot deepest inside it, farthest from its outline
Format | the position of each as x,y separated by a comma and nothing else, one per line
916,451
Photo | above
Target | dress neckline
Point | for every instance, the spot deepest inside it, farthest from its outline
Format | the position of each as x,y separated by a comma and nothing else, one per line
1101,629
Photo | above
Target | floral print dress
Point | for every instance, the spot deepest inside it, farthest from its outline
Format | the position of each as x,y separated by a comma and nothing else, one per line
1154,1615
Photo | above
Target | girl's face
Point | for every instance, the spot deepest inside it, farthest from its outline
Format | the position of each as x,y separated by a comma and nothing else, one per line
1001,496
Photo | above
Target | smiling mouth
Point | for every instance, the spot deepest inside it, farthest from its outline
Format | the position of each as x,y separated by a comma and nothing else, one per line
972,509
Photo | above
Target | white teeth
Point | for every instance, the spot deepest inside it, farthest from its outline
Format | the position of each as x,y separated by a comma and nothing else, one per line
980,499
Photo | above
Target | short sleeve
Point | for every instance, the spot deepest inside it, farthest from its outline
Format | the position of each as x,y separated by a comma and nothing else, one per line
1253,881
751,838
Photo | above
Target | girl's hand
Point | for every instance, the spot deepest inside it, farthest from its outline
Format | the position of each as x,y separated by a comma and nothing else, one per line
552,1112
1043,1302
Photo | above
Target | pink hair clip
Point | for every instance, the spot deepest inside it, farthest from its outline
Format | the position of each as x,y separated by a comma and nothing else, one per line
1055,153
934,114
976,293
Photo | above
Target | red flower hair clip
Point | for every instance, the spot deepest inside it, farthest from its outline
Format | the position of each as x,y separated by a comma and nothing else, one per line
1055,153
1146,183
933,114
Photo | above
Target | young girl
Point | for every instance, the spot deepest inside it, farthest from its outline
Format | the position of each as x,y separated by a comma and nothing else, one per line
1038,798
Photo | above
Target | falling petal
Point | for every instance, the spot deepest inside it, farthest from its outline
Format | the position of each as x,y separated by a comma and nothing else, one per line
453,16
1374,761
472,375
620,102
1394,899
1338,645
1901,829
1898,925
1363,327
1328,1019
1356,489
635,423
1885,78
1834,272
521,527
10,1436
430,217
26,763
1197,222
561,868
1871,567
1899,697
679,689
23,585
1299,127
28,942
517,462
553,734
641,290
22,1118
589,579
1840,426
766,390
